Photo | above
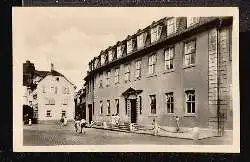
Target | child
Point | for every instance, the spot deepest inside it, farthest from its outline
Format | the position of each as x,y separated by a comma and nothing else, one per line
156,127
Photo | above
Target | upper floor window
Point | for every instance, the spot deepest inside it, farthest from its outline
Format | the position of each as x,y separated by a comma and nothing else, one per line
192,21
96,62
117,75
153,104
156,33
57,78
65,102
108,77
138,69
55,90
110,55
190,101
101,107
65,90
43,89
151,64
189,52
169,58
103,58
170,102
101,80
108,106
127,72
141,39
52,90
129,45
171,26
119,51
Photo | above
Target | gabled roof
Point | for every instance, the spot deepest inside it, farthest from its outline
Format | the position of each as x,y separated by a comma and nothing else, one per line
43,74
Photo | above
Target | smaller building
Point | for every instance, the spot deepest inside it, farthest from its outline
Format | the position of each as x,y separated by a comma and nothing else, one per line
49,93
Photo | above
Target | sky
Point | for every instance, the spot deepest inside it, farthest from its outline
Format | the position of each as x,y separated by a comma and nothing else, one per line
70,37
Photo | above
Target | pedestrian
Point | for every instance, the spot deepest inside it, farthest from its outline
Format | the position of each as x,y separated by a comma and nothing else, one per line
117,119
61,121
77,123
30,123
156,127
65,121
83,124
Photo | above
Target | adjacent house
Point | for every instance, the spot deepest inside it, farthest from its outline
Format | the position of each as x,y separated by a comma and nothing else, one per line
49,93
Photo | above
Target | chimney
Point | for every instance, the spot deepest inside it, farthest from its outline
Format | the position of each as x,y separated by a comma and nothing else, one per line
52,67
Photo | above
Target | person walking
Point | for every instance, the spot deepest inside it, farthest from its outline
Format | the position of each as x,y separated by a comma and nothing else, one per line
83,124
156,127
77,123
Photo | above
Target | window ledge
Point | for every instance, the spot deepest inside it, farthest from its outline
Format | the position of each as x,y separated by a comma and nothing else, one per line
190,115
188,66
151,75
168,71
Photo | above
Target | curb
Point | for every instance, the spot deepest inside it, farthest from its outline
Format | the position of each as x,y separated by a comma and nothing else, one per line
109,129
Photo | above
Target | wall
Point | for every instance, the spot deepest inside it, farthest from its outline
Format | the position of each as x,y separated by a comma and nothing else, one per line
56,110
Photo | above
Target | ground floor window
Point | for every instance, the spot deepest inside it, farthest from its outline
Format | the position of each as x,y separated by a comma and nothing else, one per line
48,113
108,105
63,113
117,105
101,107
170,102
153,104
190,101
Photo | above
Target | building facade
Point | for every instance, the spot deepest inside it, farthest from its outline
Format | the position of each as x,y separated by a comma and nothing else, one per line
50,94
177,66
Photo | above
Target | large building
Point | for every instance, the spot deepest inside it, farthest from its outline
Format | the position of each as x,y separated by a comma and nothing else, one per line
49,93
177,66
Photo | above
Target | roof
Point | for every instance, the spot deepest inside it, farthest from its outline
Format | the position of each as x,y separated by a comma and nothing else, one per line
43,74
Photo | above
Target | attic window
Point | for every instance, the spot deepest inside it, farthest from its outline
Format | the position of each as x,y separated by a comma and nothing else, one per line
57,78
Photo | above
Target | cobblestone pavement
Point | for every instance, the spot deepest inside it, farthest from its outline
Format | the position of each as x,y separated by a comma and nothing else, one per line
53,134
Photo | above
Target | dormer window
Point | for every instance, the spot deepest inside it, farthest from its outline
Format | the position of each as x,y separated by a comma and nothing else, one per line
171,26
129,46
192,21
141,39
102,59
119,51
156,33
96,63
110,56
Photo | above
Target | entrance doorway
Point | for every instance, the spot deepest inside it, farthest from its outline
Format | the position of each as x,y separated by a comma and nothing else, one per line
133,111
90,112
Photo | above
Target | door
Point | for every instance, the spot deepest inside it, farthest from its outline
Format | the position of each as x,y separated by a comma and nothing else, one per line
90,113
133,111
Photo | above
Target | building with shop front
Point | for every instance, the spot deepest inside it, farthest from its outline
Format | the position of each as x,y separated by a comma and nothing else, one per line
177,66
49,93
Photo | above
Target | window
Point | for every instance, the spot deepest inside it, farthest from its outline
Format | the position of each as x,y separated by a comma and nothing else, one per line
171,26
140,104
52,90
129,46
190,101
119,51
63,113
138,69
57,78
153,104
141,40
169,58
110,56
101,107
55,90
108,106
117,75
30,103
151,63
96,62
126,106
48,113
101,78
103,59
52,101
156,33
170,102
108,77
65,90
117,105
192,21
65,102
189,53
46,101
43,89
127,72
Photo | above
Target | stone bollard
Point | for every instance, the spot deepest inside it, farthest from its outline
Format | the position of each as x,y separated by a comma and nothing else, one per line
30,123
105,125
196,133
